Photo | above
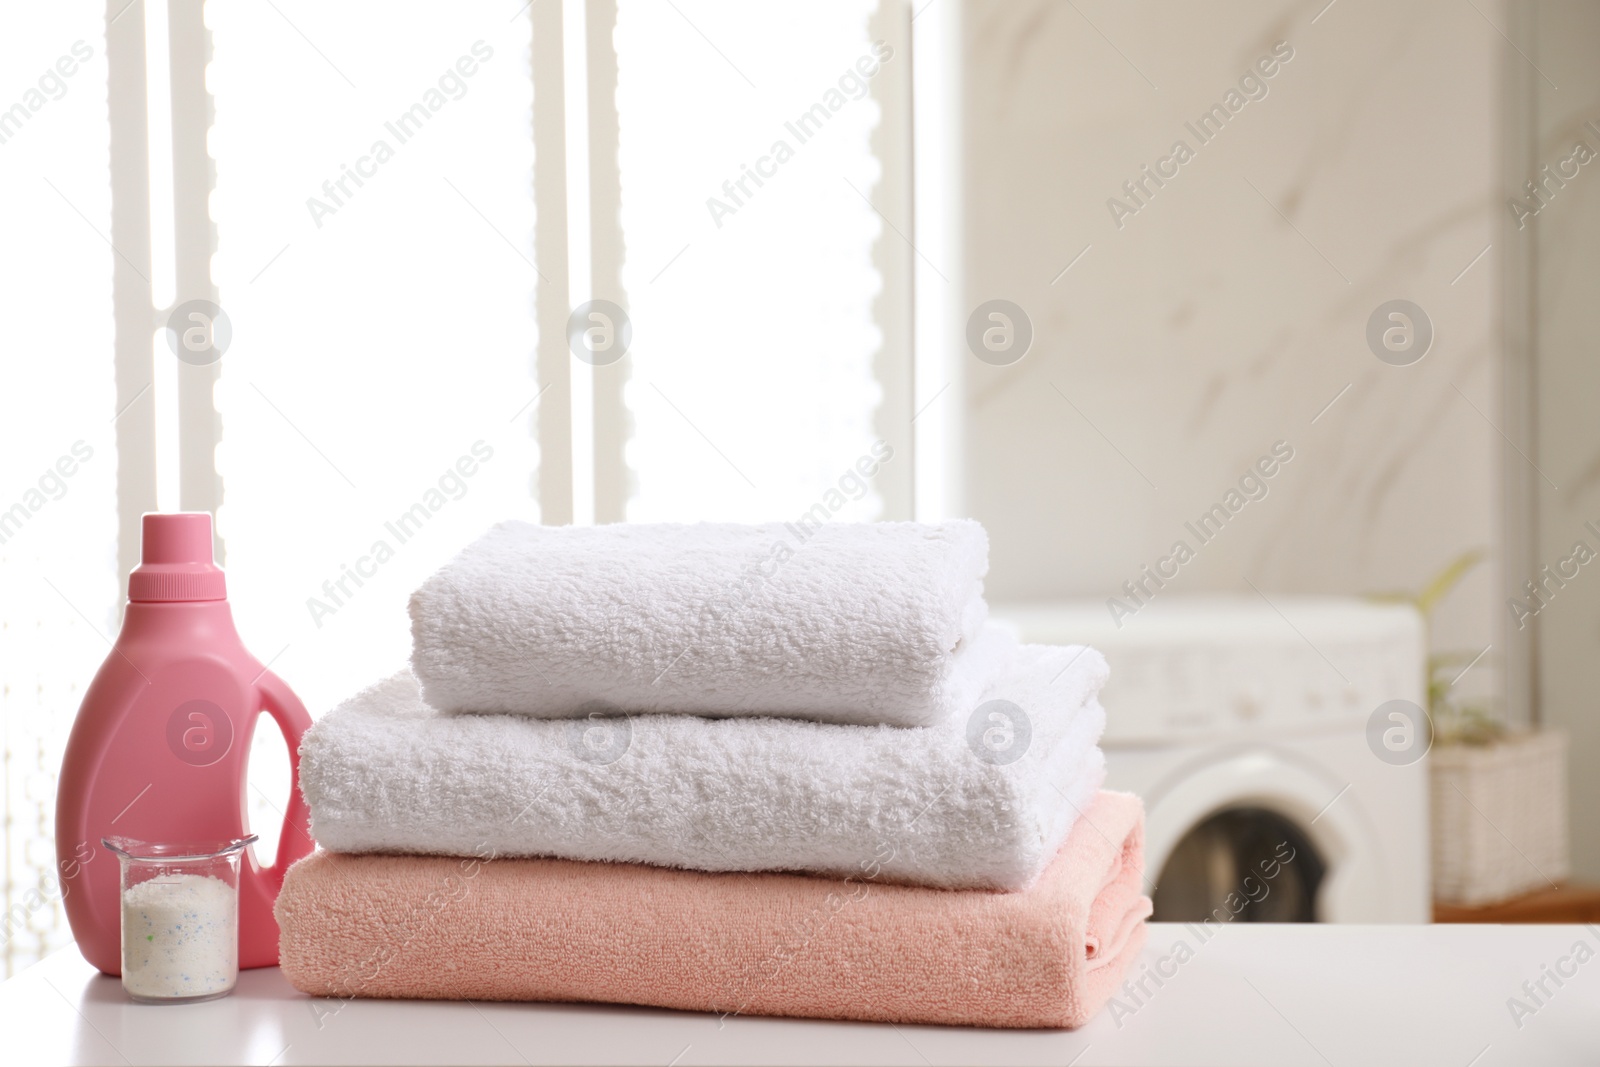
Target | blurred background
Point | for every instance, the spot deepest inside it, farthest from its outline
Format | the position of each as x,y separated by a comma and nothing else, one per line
1298,286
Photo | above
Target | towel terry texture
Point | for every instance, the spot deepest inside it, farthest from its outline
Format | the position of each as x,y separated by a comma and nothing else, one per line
765,944
861,623
981,801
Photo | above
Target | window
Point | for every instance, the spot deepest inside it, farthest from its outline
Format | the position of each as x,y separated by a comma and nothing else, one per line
374,257
396,211
747,167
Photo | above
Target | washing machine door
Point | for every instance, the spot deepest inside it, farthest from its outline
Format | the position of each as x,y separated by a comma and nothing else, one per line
1251,862
1261,835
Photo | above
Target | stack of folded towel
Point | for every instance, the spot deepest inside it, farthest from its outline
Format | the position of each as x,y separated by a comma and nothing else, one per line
755,769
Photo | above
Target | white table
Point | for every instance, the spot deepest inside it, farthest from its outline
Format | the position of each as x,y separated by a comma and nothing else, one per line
1316,995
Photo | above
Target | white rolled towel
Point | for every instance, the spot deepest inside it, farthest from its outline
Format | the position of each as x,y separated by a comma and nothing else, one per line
982,801
842,622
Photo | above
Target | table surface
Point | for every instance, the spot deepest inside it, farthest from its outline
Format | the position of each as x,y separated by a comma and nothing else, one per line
1249,994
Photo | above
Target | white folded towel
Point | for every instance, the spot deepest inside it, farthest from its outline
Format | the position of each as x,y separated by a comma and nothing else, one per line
841,622
982,801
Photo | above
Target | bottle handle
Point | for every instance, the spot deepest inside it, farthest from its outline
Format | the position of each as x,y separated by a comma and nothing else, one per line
285,708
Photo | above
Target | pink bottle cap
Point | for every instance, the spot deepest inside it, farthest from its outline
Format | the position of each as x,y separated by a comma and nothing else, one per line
176,562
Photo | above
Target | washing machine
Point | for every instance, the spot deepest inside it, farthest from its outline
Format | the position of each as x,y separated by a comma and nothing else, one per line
1243,723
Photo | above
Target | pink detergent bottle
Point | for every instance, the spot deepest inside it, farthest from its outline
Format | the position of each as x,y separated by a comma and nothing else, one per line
161,745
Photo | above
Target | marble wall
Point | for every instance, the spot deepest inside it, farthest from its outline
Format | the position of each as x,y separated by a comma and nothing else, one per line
1180,336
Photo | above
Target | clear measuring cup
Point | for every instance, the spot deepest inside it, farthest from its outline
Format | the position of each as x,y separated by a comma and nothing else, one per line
180,918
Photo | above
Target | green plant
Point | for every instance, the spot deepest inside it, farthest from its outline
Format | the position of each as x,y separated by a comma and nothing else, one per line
1455,721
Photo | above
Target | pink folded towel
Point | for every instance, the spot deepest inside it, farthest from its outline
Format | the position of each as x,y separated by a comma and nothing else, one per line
757,944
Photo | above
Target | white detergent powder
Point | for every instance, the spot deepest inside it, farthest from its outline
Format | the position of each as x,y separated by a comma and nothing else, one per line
180,937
